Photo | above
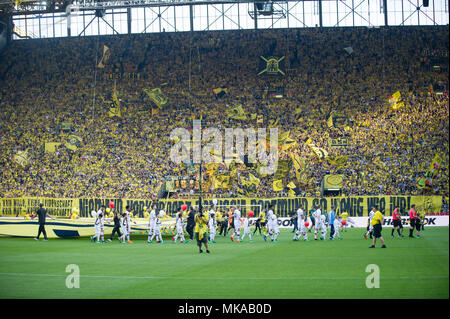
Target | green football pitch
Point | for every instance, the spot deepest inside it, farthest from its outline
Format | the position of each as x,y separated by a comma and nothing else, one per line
408,268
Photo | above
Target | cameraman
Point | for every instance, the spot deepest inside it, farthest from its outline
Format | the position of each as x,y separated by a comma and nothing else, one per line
201,226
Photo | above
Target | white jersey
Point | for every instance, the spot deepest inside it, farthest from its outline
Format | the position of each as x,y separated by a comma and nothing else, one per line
124,225
245,223
237,219
337,223
212,225
179,221
100,220
152,219
157,226
128,218
371,213
269,218
275,222
300,217
317,217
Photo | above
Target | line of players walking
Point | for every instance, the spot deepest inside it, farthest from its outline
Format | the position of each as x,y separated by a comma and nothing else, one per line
235,222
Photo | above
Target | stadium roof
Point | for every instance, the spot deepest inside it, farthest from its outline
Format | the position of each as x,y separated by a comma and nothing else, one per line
16,7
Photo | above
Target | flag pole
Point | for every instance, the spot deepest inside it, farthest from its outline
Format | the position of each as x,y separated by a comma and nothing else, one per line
95,77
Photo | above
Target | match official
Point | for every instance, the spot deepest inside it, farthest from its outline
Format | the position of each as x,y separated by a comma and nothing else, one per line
376,222
42,214
116,228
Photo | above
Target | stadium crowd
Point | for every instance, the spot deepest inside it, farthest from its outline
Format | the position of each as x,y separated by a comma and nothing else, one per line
47,82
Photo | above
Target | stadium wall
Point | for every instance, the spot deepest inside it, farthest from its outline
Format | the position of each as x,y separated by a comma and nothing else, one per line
356,206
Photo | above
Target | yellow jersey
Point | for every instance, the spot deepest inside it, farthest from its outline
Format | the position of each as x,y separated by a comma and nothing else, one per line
344,216
377,217
263,217
201,225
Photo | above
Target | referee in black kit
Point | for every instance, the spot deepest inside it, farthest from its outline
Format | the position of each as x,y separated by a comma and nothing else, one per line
116,228
42,214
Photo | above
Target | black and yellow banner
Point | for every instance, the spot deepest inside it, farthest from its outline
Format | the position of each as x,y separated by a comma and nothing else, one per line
272,66
320,152
157,97
333,182
220,92
236,112
355,205
73,142
22,158
338,142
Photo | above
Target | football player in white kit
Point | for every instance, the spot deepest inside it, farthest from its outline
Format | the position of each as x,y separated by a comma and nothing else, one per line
151,223
99,226
276,231
337,225
212,224
128,215
269,218
124,228
323,222
301,228
318,222
179,227
237,224
157,228
246,225
370,227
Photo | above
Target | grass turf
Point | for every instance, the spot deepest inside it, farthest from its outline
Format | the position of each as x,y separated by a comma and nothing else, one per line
409,268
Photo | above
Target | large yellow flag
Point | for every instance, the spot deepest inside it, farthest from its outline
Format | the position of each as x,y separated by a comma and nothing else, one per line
288,143
50,147
22,158
320,152
157,97
236,112
114,111
253,179
338,161
105,57
291,185
278,185
395,100
220,181
73,142
330,121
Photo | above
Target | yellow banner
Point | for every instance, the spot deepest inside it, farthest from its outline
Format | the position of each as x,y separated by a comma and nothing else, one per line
320,152
73,142
105,57
50,147
278,185
157,97
22,158
354,206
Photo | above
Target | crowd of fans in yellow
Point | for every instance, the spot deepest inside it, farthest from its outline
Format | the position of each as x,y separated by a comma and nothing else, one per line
51,81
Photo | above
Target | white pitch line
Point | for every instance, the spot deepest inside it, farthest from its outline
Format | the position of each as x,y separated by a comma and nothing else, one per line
221,278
